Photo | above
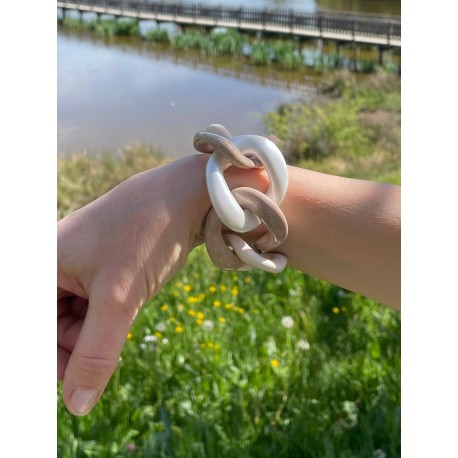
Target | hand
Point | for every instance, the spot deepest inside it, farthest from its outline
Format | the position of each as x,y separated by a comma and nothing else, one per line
113,255
116,253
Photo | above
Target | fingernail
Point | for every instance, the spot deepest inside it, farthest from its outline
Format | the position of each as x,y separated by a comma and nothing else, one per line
82,400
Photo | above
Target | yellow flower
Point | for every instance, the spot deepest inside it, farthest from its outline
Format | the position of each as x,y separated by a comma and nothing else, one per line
247,280
180,307
228,306
201,296
191,313
212,289
175,293
202,346
235,278
187,288
335,310
158,335
129,335
239,310
344,309
222,287
222,320
165,307
275,363
235,291
178,284
210,345
192,299
179,329
200,315
217,346
217,303
199,321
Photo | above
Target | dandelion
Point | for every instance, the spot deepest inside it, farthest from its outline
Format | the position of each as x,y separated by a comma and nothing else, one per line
217,346
222,320
228,306
211,345
247,280
287,322
150,339
180,307
239,310
158,335
199,321
191,312
200,315
160,327
235,278
203,346
129,335
217,303
201,296
275,363
164,308
303,345
175,293
179,329
212,289
222,287
235,291
335,310
192,299
208,325
187,288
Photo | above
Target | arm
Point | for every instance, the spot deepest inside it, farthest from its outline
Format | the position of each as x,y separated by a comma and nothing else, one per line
120,250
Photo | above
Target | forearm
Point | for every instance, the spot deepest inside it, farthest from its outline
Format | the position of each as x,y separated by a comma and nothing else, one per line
345,231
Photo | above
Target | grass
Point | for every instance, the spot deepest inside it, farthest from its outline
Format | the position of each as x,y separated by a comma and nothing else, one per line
210,370
353,131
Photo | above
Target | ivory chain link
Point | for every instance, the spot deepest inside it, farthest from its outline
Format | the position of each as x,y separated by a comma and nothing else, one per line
243,209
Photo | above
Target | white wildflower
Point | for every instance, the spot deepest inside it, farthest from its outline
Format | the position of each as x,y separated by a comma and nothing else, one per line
142,346
379,453
150,339
287,322
303,345
160,327
208,325
165,341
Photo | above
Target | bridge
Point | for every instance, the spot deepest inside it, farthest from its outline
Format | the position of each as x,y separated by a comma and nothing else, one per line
339,27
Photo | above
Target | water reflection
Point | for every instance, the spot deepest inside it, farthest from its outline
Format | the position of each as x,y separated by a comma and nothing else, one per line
109,97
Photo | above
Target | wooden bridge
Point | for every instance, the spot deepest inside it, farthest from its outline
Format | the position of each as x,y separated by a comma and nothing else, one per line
367,29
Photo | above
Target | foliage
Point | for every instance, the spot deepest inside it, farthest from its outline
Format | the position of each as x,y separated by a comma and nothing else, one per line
81,178
158,35
354,131
327,386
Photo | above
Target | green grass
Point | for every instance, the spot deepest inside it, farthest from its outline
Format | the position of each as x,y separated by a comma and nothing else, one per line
249,387
354,131
329,386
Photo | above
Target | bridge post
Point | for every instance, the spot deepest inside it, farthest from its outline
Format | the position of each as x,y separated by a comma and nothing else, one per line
64,13
380,54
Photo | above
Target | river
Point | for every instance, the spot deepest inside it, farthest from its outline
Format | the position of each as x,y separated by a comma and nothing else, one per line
117,92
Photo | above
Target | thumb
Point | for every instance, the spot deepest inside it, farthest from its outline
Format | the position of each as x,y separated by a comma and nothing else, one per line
96,352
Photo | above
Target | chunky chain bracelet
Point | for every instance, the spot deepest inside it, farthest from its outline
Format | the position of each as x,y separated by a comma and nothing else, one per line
243,209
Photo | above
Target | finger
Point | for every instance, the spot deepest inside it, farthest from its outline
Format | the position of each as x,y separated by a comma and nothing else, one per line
96,353
62,360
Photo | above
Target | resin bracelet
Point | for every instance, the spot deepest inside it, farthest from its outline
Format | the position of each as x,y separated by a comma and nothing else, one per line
243,209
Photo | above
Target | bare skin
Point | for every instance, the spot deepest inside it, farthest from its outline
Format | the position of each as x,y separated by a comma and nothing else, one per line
120,250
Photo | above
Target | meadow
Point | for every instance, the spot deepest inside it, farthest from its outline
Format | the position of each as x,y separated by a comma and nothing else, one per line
249,364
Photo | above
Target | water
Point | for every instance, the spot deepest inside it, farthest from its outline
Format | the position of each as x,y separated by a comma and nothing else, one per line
113,93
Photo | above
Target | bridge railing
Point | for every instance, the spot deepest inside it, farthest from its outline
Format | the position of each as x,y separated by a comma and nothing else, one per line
320,23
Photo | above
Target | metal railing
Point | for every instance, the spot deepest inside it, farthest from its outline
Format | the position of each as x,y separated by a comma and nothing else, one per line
349,27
